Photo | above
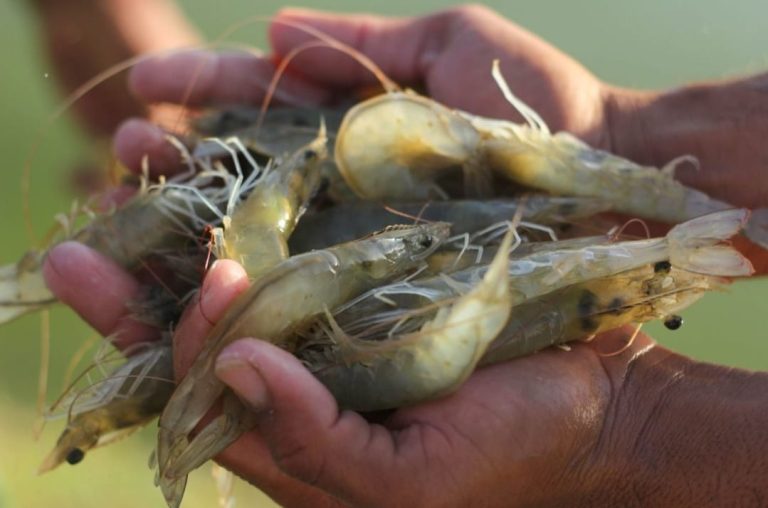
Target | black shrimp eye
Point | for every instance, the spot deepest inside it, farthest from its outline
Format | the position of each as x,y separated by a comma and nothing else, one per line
426,242
309,155
75,455
662,266
673,322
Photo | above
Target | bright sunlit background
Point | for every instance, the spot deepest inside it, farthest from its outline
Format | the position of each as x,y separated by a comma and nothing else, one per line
651,44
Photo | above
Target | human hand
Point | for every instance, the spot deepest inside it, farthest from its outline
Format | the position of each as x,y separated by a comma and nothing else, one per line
645,426
556,428
514,435
448,54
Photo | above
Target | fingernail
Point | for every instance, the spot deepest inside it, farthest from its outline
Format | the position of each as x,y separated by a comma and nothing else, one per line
245,380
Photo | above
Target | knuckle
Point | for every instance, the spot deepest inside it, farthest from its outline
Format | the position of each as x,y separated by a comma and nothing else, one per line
474,13
301,462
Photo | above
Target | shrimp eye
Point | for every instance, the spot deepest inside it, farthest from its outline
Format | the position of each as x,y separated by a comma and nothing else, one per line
662,266
309,155
673,322
425,242
75,455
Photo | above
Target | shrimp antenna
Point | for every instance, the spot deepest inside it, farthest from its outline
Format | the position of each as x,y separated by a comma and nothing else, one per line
325,42
531,117
365,61
78,356
626,346
415,218
279,71
45,361
615,235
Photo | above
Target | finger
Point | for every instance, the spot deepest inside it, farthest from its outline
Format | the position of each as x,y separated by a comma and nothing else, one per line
205,78
403,48
138,143
308,438
98,290
225,280
251,460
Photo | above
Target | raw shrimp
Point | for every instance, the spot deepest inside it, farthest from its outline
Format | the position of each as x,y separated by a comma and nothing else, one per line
282,130
393,147
346,221
386,370
256,234
269,310
128,398
580,310
693,246
435,360
168,216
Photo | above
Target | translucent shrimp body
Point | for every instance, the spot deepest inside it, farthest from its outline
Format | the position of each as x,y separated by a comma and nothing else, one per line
346,221
281,131
161,218
269,310
128,398
256,235
437,359
394,146
580,310
692,246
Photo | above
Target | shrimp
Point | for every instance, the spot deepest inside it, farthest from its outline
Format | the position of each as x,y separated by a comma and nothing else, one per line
584,309
404,307
318,280
384,371
282,130
434,361
256,234
447,261
344,222
167,216
130,397
395,145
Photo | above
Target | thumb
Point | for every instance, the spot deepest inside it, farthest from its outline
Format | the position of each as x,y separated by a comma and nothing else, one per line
308,438
402,47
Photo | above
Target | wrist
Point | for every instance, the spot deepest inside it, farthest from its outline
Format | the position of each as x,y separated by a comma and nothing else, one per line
680,432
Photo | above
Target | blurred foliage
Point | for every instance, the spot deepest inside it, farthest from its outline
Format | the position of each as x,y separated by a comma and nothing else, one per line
637,44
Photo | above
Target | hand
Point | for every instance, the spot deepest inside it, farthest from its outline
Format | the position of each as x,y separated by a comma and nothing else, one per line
516,434
572,415
643,427
449,54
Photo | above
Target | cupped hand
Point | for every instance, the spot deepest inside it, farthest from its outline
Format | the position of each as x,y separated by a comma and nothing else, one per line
522,433
515,434
449,54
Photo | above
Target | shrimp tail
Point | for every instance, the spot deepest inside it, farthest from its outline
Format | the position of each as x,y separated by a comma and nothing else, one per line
696,245
757,227
173,491
22,288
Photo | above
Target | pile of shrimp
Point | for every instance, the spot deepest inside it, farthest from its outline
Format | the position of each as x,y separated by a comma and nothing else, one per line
422,242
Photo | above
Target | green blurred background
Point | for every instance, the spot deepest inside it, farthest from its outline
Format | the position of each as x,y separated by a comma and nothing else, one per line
652,44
